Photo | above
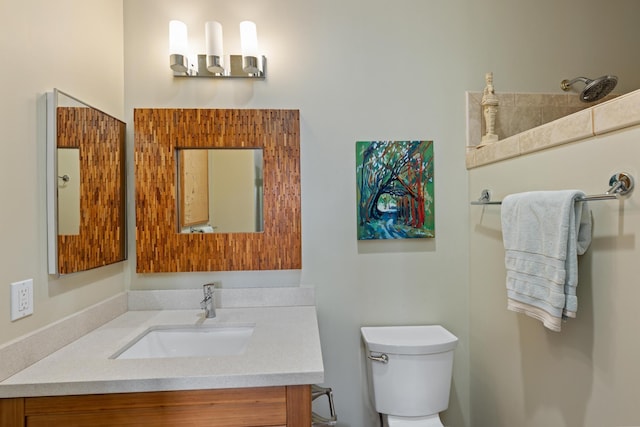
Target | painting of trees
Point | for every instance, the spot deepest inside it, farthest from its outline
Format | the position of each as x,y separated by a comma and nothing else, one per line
395,189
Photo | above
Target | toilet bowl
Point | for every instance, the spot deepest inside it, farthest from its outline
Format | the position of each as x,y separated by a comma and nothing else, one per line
409,371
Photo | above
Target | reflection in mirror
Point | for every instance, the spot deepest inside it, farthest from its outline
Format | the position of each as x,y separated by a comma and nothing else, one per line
68,191
220,190
86,218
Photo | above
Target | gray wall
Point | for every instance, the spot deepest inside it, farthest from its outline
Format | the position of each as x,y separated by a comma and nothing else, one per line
586,375
356,71
77,47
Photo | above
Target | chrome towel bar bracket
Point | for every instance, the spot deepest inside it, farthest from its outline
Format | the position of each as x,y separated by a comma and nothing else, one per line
620,184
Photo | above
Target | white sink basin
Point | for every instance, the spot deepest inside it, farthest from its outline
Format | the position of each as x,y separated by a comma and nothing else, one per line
188,341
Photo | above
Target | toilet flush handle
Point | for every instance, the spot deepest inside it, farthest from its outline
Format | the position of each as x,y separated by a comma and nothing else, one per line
382,358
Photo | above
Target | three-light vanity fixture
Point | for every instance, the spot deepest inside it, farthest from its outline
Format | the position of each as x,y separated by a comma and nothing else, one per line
214,63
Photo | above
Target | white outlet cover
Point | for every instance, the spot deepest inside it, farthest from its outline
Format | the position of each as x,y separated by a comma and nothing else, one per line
21,299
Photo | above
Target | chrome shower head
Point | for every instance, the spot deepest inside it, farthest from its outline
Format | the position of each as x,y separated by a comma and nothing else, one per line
595,89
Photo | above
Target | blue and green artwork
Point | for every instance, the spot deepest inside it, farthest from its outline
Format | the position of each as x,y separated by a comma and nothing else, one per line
395,189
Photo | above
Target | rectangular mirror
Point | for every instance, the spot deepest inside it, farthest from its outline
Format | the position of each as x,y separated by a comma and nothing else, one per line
86,219
220,190
68,191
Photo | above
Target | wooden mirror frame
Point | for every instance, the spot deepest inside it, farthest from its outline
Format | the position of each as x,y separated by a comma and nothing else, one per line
159,133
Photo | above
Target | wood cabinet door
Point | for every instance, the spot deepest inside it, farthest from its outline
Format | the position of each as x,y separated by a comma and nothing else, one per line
250,407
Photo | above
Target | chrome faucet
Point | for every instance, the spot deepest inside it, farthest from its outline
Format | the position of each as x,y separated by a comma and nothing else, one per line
208,304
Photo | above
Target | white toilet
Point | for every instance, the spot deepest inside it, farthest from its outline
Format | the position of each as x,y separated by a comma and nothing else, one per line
409,372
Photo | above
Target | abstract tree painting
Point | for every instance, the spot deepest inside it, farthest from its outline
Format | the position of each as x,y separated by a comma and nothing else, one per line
395,189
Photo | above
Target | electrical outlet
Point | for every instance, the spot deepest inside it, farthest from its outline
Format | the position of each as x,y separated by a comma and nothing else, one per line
21,299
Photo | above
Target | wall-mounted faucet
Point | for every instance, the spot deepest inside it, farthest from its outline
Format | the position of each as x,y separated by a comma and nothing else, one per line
208,304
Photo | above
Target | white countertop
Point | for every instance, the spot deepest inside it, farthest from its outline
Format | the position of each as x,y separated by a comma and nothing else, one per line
283,350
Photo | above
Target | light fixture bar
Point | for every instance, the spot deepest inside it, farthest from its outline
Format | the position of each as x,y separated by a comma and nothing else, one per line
235,69
213,63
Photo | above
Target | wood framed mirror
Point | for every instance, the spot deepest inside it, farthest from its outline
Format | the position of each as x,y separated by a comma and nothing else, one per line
160,134
86,188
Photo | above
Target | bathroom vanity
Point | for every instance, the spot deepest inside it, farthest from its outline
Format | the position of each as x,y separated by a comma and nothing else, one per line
288,406
84,384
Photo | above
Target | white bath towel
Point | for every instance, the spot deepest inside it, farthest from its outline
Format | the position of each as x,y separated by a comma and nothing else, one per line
543,233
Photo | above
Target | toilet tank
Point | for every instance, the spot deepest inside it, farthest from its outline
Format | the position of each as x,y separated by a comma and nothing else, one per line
416,379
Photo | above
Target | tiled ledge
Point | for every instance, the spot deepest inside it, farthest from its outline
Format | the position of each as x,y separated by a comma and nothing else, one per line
618,113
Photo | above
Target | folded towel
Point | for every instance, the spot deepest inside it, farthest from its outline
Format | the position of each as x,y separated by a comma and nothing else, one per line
543,232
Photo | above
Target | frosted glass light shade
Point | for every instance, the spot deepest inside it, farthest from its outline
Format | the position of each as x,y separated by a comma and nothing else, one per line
178,46
213,34
249,45
178,38
249,38
213,46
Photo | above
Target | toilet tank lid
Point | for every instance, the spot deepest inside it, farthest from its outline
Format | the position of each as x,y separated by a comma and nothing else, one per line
420,339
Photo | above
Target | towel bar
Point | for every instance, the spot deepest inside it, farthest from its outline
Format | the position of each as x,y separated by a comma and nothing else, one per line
620,184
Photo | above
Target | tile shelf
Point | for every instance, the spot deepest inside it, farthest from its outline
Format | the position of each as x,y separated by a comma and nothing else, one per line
617,113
